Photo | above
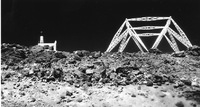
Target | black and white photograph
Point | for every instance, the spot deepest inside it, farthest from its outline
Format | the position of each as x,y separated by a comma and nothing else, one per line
100,53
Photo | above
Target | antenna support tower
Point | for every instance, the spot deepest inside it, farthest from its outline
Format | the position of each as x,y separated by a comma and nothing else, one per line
127,31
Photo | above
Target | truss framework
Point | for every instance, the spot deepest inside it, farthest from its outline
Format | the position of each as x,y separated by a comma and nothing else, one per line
123,36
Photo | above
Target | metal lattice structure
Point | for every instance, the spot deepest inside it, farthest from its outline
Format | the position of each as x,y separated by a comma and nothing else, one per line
123,36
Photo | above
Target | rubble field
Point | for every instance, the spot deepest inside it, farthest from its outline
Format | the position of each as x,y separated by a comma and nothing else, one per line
38,77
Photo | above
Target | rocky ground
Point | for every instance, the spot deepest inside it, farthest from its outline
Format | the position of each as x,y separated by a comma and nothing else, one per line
38,77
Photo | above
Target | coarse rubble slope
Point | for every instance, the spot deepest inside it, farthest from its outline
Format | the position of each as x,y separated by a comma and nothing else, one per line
36,76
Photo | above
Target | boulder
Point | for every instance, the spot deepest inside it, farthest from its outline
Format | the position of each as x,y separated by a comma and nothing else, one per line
179,54
155,51
96,54
36,49
59,55
194,50
89,71
82,53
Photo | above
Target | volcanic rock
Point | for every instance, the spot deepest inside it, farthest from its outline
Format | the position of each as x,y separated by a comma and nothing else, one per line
179,54
194,50
155,51
42,73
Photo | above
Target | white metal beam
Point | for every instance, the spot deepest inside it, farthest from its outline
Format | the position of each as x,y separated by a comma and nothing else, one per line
171,44
182,33
155,45
123,42
137,43
148,18
133,33
178,37
116,41
124,45
116,36
148,27
148,34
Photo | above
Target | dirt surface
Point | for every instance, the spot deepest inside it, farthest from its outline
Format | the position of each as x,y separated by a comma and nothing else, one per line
39,77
